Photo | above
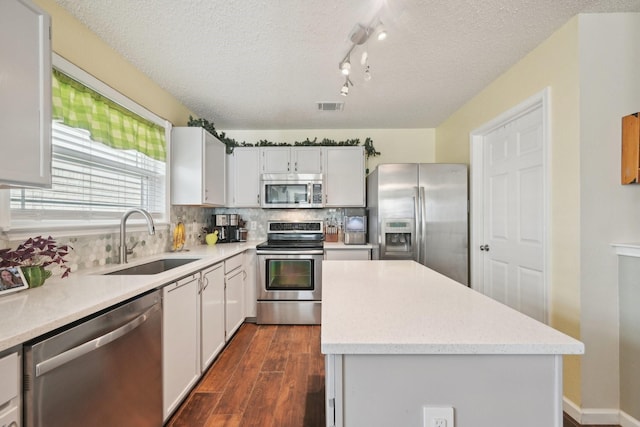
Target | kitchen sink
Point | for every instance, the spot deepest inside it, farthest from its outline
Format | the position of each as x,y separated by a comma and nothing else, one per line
153,267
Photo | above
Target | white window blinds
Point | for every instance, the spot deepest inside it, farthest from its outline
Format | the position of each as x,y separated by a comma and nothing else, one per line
92,181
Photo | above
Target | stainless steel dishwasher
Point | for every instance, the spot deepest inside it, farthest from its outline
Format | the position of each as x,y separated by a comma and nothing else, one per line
105,371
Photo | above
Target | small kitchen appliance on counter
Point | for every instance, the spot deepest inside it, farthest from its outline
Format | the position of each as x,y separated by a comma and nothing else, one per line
355,226
227,226
290,273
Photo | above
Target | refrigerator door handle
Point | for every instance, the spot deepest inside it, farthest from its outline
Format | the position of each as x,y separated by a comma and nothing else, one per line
417,206
423,227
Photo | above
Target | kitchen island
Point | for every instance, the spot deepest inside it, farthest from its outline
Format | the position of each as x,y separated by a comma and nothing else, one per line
399,337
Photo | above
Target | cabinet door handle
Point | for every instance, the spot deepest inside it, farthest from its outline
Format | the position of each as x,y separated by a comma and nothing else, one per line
484,248
288,166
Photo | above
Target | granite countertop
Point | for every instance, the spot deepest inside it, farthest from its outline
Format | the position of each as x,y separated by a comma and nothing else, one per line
402,307
33,312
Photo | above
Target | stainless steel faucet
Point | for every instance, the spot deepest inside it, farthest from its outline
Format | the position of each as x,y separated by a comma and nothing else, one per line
123,232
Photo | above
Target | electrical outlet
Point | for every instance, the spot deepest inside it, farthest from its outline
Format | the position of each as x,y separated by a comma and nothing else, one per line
252,225
439,422
439,416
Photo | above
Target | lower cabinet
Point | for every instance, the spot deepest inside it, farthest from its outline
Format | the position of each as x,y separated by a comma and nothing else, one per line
234,294
180,341
347,254
201,312
250,287
212,322
10,386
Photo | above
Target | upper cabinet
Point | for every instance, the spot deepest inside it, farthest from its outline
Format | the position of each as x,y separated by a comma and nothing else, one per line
198,170
342,168
292,160
243,177
344,180
25,94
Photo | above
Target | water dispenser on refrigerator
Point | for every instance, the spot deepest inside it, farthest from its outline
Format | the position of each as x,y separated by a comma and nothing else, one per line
397,242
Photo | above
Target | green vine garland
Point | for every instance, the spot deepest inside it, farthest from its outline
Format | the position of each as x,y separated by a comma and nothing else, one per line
231,143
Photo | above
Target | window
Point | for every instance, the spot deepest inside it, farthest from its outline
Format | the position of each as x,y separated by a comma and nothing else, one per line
105,159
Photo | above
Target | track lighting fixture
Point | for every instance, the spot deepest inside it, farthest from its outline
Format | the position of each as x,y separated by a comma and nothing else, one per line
358,37
345,87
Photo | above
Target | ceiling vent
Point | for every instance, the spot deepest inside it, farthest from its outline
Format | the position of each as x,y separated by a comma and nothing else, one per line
330,106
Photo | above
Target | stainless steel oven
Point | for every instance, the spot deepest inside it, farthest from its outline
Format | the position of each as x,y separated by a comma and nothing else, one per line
290,273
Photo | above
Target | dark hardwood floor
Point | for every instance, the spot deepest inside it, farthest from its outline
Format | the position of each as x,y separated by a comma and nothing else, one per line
268,376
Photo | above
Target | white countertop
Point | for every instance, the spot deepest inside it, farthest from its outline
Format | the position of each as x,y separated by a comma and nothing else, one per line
402,307
33,312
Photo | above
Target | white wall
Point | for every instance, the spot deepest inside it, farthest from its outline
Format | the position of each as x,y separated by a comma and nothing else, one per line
395,145
609,89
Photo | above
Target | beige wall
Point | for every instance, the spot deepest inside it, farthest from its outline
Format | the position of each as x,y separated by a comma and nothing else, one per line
76,43
394,145
609,90
553,64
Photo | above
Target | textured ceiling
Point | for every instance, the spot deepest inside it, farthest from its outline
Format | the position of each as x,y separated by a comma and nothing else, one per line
264,64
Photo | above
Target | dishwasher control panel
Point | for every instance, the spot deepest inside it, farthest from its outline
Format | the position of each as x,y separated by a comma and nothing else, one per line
10,390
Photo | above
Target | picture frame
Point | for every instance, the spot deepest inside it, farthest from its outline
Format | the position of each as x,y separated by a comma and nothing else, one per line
13,283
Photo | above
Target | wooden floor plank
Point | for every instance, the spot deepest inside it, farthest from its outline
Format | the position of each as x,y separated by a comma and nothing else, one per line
235,398
259,411
224,420
292,399
215,380
195,411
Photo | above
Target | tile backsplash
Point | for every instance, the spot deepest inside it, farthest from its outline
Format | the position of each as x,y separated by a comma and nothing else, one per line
97,250
259,217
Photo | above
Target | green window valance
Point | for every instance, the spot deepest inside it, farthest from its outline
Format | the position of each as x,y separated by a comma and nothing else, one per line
109,123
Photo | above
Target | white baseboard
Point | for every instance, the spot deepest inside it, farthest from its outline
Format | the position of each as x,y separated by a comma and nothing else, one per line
627,420
571,409
599,416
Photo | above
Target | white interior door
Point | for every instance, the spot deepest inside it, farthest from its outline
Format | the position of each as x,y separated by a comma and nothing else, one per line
510,213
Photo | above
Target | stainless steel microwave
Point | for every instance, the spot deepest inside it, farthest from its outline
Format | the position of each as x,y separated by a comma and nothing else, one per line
291,190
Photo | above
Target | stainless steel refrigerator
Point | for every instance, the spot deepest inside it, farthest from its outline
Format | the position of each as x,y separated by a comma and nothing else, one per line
419,211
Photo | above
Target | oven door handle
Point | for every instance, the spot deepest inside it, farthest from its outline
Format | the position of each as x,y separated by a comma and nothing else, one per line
311,252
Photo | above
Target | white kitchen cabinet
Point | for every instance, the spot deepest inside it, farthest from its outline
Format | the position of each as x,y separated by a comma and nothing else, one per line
344,184
347,254
251,298
243,177
198,168
212,324
180,341
234,294
292,159
10,388
25,94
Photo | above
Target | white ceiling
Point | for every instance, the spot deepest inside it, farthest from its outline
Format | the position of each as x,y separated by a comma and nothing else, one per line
264,64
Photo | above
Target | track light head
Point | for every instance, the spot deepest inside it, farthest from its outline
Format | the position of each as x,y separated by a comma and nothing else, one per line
345,67
381,32
367,74
344,91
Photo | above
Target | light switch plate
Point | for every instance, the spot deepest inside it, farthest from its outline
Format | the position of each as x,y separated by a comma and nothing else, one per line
438,416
